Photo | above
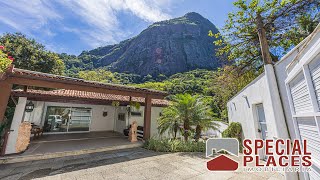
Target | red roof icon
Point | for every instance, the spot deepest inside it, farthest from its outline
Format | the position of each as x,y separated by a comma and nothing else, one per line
222,163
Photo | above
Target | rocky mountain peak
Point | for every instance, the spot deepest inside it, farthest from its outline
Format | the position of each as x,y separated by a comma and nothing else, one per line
166,47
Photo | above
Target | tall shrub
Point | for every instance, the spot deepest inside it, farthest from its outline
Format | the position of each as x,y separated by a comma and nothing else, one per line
5,60
234,131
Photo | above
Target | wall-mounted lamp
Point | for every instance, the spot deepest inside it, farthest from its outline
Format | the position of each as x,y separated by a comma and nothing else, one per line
234,105
29,106
246,98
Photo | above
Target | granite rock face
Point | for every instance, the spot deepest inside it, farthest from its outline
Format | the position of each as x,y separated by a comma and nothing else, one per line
167,47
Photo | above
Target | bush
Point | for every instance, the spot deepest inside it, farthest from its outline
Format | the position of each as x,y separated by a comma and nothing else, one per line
234,131
4,61
170,145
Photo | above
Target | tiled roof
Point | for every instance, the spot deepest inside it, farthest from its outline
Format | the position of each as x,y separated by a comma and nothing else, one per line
84,95
16,72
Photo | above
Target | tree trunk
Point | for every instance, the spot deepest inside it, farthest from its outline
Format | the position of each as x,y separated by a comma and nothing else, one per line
198,132
175,131
263,41
186,128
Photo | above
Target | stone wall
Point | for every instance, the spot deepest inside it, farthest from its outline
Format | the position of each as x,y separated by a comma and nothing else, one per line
24,134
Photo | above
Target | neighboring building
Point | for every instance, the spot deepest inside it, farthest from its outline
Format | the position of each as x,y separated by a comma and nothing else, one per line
284,101
216,133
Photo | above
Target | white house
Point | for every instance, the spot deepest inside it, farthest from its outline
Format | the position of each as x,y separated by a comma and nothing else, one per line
284,101
70,111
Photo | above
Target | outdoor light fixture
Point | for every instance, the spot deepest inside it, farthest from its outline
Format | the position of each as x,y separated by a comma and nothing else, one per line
246,98
29,106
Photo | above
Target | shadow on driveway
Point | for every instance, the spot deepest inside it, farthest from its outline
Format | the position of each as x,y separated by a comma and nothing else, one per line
42,168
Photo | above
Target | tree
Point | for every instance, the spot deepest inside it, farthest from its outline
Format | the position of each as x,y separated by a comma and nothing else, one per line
202,118
227,82
234,130
186,111
169,121
286,23
99,75
5,61
30,55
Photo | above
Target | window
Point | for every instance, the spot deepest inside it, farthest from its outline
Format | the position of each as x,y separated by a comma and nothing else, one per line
121,116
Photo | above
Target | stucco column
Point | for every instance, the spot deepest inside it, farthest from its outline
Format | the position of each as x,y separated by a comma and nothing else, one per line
16,121
278,120
275,100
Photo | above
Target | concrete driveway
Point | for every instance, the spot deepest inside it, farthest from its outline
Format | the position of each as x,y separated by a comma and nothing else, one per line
135,163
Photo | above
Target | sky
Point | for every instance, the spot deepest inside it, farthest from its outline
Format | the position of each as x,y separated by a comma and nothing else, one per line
71,26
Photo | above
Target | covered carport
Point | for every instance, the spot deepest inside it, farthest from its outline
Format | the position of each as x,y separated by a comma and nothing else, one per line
15,76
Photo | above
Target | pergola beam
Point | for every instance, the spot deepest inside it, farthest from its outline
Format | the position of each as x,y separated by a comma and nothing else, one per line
79,87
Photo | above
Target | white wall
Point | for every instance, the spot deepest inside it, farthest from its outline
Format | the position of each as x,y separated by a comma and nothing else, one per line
98,122
16,121
155,113
36,115
280,70
119,126
256,93
139,119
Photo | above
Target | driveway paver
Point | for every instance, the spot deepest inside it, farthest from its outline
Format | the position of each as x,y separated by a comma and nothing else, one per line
135,163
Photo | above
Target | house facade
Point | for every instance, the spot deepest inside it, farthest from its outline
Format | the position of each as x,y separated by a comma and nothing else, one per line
283,102
70,111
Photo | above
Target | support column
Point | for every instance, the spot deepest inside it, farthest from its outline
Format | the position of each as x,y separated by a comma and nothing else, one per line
4,97
16,121
147,118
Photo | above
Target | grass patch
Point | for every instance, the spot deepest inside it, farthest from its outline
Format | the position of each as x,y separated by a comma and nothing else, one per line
170,145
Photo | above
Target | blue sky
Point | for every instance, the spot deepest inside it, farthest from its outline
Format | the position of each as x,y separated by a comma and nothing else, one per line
72,26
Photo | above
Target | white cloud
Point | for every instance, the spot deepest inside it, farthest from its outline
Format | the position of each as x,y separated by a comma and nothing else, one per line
99,16
102,16
27,15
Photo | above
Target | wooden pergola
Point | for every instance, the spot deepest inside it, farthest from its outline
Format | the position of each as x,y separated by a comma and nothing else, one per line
15,76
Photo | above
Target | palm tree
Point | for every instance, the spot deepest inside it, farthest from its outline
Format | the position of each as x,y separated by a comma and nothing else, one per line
187,110
203,118
169,121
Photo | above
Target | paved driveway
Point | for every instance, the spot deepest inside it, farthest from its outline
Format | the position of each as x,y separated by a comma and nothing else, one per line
128,164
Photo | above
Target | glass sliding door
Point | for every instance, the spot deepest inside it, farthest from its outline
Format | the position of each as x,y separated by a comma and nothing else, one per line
56,119
67,119
80,119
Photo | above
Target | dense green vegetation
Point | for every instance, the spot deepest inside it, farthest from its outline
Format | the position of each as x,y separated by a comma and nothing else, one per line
31,55
4,60
286,22
174,145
